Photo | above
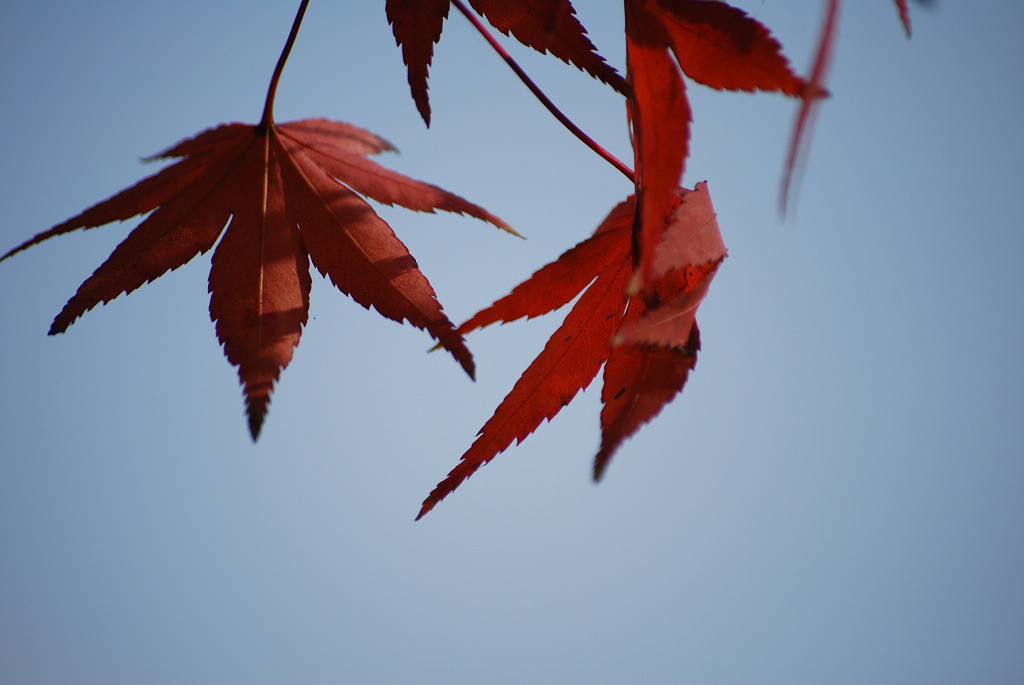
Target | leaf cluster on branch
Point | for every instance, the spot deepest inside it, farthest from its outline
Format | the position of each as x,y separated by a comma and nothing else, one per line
272,198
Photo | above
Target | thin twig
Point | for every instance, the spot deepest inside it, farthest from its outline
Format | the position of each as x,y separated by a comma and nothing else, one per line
539,94
268,108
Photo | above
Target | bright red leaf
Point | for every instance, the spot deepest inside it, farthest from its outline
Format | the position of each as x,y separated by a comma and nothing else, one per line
644,376
714,44
548,26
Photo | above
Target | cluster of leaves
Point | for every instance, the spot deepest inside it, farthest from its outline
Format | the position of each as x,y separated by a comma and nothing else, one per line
273,197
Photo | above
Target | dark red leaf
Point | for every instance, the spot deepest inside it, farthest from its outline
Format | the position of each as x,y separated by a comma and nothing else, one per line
417,25
720,46
259,279
287,193
548,26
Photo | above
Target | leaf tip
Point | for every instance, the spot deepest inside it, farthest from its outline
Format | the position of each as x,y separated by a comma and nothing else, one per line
428,504
462,355
255,423
500,223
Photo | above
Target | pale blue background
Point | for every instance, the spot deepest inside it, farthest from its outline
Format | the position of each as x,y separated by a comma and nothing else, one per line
836,497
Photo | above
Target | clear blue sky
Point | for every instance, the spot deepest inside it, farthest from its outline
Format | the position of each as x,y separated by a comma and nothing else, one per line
836,497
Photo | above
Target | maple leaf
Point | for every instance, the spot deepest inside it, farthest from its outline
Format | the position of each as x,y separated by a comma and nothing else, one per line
282,195
655,340
548,26
712,43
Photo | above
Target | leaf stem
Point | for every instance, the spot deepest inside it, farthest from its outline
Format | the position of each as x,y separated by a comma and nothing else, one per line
810,98
268,109
539,94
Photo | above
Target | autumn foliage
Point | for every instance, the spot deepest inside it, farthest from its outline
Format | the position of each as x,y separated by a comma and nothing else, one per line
276,197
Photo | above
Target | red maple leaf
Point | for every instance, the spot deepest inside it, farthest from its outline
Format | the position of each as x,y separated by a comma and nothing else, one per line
712,43
655,339
287,194
548,26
